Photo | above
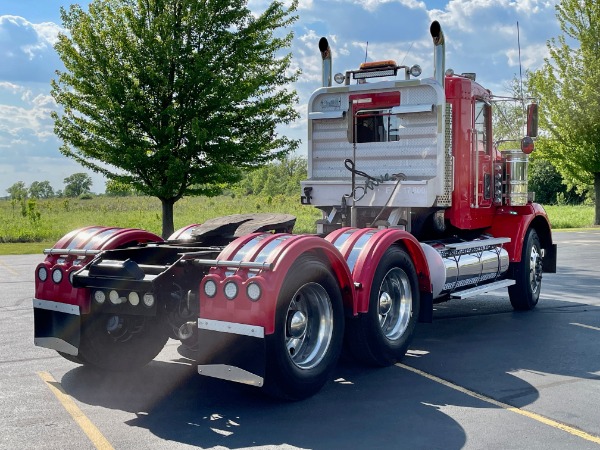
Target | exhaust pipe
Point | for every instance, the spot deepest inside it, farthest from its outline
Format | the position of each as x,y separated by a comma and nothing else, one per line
439,52
326,56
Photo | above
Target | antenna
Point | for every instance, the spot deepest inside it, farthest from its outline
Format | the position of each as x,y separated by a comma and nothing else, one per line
407,52
366,51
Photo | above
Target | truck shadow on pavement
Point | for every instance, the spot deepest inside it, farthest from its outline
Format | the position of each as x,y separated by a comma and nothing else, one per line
481,345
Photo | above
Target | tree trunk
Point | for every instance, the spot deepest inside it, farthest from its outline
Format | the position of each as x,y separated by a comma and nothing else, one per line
167,217
597,193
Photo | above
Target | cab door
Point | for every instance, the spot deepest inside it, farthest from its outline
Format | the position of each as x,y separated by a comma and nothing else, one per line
481,155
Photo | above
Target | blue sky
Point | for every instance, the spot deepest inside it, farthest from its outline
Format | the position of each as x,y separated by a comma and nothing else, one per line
481,37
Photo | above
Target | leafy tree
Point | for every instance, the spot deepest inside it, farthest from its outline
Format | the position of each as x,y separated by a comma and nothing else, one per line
278,178
174,97
17,191
567,86
115,188
77,184
41,189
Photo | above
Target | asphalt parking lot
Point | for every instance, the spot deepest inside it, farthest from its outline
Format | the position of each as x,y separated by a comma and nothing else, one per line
480,376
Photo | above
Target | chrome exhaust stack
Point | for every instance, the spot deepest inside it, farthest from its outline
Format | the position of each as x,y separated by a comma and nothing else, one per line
439,52
326,56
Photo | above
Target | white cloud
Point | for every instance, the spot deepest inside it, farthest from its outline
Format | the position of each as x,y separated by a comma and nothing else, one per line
26,50
371,5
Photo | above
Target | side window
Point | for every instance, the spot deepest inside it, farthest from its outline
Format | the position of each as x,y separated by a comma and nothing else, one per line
481,125
376,126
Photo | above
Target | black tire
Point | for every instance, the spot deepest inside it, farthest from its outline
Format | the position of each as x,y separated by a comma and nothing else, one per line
525,293
382,335
309,330
121,343
72,358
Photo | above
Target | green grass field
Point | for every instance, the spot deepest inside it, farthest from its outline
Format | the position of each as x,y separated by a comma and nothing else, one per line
31,227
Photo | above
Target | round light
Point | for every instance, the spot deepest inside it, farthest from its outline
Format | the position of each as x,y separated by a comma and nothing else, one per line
134,298
253,291
114,297
449,72
210,288
57,276
42,274
148,299
339,78
231,290
99,296
415,70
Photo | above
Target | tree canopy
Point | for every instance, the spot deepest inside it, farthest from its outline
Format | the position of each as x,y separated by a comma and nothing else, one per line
41,189
77,184
568,88
174,97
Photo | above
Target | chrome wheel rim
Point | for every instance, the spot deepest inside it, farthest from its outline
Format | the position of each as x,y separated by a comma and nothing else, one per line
394,304
309,326
535,270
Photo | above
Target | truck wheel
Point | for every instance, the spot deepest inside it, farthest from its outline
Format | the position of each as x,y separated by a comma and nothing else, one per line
74,359
381,336
525,294
121,343
309,329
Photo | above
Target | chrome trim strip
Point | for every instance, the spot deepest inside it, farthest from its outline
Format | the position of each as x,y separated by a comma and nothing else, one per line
482,289
230,327
71,251
479,243
55,306
235,264
56,344
230,373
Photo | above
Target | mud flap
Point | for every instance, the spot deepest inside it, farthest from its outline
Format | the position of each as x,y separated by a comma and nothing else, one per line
229,351
549,260
56,326
426,309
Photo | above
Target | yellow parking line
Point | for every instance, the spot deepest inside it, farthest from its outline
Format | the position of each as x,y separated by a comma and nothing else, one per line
98,440
585,326
8,268
531,415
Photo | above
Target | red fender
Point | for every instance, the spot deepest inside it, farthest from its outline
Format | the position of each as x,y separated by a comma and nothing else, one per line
514,223
363,249
89,238
183,233
280,251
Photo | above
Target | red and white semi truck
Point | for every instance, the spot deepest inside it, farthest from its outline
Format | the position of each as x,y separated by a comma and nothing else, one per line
419,206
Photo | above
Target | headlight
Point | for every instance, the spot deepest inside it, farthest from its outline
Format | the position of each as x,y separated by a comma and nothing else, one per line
134,298
42,274
57,276
231,290
99,296
148,299
415,70
210,288
253,290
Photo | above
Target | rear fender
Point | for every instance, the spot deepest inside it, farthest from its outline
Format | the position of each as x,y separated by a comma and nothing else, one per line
277,252
65,264
363,249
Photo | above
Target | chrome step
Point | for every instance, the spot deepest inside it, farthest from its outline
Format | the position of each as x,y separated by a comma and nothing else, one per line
482,289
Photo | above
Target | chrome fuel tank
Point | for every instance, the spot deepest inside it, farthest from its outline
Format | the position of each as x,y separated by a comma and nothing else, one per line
457,266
